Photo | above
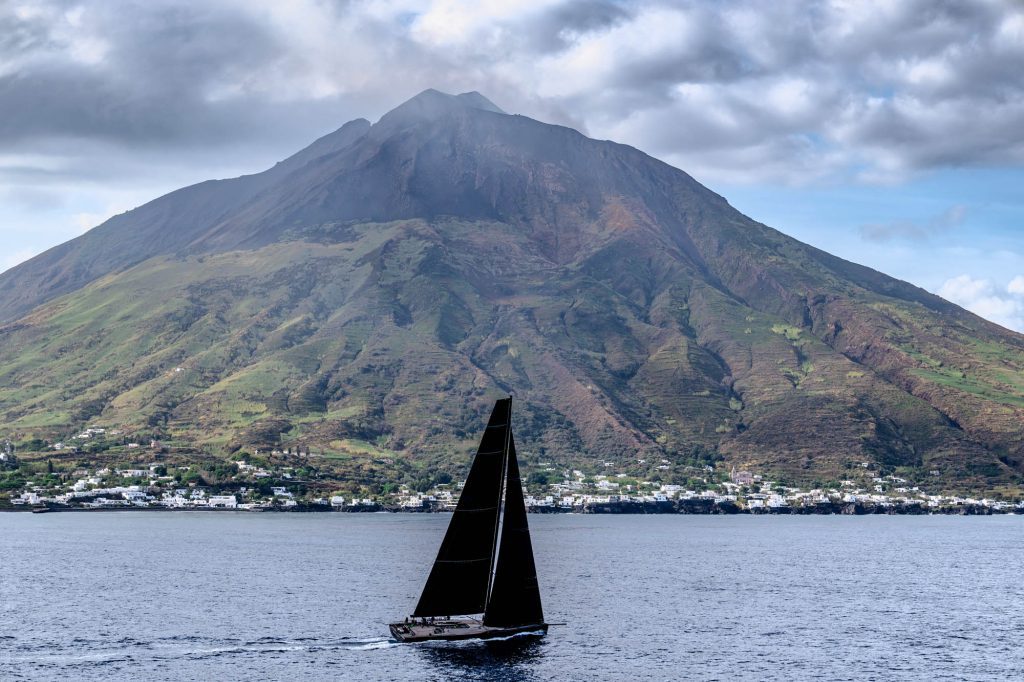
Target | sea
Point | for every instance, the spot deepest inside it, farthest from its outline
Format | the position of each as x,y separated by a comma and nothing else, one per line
288,596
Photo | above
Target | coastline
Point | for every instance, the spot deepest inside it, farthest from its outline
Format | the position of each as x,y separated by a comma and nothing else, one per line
682,507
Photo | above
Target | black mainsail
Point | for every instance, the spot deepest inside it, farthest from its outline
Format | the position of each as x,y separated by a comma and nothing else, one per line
515,594
461,576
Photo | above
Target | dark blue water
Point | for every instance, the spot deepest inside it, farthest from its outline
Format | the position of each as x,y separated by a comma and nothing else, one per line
199,596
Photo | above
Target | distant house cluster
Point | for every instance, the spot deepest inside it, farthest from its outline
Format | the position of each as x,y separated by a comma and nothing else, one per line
257,484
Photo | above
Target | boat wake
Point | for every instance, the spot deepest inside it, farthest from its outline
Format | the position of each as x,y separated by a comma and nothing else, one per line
370,644
181,648
520,635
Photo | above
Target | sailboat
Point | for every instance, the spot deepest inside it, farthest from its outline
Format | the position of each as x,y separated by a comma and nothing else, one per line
480,588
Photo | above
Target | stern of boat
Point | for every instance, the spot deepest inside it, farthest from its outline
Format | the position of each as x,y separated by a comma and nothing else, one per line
400,631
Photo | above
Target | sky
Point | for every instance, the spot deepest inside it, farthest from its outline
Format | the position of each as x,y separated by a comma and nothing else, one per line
887,132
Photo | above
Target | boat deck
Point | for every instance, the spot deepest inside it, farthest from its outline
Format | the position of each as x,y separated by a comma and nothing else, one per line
457,628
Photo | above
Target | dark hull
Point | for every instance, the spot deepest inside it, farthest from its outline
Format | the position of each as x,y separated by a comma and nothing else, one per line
450,630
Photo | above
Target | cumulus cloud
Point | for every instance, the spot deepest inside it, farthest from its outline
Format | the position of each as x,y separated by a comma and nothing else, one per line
1002,305
949,219
787,91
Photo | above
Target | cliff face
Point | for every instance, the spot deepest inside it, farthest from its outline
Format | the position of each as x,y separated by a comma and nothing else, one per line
386,283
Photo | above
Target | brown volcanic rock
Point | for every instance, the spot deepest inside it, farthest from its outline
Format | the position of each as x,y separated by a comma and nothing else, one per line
386,283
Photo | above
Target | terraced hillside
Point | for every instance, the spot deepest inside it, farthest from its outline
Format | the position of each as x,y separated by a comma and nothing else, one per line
375,292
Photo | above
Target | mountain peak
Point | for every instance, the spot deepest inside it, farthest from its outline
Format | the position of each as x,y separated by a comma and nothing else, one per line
433,103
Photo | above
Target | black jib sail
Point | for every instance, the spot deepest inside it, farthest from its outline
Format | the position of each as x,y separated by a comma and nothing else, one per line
515,594
460,578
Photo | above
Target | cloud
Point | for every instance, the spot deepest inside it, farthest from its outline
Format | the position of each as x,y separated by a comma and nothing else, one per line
1004,306
946,221
787,92
30,198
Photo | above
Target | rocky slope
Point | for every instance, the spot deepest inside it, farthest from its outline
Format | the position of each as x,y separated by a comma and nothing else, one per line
375,291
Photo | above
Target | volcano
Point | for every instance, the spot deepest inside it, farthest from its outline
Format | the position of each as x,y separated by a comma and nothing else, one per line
378,290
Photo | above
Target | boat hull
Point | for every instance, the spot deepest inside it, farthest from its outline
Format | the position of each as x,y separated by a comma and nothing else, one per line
455,629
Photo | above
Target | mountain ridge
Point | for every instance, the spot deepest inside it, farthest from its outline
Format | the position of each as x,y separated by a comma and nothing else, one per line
451,251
